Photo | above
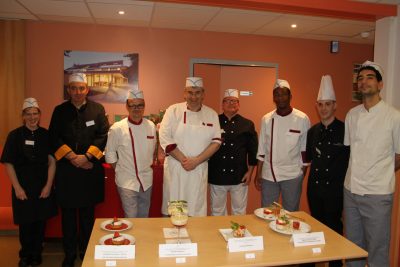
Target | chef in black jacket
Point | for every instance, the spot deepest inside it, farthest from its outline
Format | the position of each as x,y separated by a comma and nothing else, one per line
78,132
231,167
30,167
329,159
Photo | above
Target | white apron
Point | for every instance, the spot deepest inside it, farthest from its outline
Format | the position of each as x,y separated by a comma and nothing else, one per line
180,184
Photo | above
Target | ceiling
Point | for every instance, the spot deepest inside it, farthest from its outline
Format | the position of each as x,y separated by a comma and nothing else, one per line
215,17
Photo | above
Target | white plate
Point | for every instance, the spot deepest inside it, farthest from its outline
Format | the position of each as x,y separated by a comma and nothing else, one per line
106,222
129,237
228,233
260,214
304,228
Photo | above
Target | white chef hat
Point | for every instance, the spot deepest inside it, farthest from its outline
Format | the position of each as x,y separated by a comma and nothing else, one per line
135,93
231,93
30,102
77,77
374,65
281,83
194,82
326,91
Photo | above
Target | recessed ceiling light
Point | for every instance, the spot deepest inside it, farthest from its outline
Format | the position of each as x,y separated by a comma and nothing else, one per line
293,26
121,12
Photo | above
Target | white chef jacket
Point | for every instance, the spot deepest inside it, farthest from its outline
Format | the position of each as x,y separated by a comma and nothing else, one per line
134,156
192,132
281,143
374,138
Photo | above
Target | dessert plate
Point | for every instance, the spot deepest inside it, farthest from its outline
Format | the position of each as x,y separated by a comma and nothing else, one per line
107,240
106,225
304,228
260,214
228,233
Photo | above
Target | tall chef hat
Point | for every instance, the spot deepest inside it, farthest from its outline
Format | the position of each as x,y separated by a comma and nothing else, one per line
30,103
326,91
135,93
77,77
281,83
374,65
194,82
231,93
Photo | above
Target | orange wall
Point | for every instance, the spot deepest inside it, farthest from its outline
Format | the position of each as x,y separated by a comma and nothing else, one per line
164,62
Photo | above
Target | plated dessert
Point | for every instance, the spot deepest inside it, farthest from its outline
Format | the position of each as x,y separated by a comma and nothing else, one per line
117,239
238,230
116,224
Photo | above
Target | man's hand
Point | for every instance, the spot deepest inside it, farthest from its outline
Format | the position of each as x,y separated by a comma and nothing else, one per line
246,178
257,183
190,163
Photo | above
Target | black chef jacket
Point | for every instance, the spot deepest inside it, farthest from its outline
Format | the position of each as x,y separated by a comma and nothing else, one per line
82,130
238,149
328,155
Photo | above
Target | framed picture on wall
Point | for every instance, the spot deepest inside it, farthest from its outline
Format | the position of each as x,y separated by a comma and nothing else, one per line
355,94
110,75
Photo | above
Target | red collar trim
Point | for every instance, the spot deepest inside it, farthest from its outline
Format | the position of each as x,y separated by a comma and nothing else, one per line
134,122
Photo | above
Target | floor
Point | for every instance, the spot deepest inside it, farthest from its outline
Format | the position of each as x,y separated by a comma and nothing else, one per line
9,246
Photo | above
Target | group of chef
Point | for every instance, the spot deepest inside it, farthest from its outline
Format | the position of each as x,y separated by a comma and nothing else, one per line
203,148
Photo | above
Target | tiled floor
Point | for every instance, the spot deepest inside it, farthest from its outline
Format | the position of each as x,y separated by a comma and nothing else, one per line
9,246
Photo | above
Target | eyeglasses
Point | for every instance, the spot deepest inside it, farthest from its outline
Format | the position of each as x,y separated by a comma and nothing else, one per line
77,88
139,106
231,101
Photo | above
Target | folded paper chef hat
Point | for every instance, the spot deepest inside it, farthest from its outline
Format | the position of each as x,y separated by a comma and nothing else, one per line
135,94
231,93
374,65
30,103
194,82
281,83
77,77
326,91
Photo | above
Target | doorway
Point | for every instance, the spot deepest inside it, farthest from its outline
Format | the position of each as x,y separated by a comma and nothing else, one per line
254,80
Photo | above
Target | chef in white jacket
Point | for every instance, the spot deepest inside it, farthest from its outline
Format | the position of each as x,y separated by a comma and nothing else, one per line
130,149
189,134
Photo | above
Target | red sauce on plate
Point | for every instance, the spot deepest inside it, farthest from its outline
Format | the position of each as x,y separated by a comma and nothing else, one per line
122,227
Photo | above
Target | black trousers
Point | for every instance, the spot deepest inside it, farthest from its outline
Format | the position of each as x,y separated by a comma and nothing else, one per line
31,236
326,205
74,235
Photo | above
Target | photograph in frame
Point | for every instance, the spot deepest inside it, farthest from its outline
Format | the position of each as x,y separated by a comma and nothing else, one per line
110,75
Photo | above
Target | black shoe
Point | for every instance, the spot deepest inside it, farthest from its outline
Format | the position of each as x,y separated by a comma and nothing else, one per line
68,262
36,260
23,262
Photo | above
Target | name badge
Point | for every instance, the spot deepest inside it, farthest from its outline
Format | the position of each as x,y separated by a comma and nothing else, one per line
123,252
89,123
29,142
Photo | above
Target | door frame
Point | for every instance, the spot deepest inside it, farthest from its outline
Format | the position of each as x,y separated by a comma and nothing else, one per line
225,62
